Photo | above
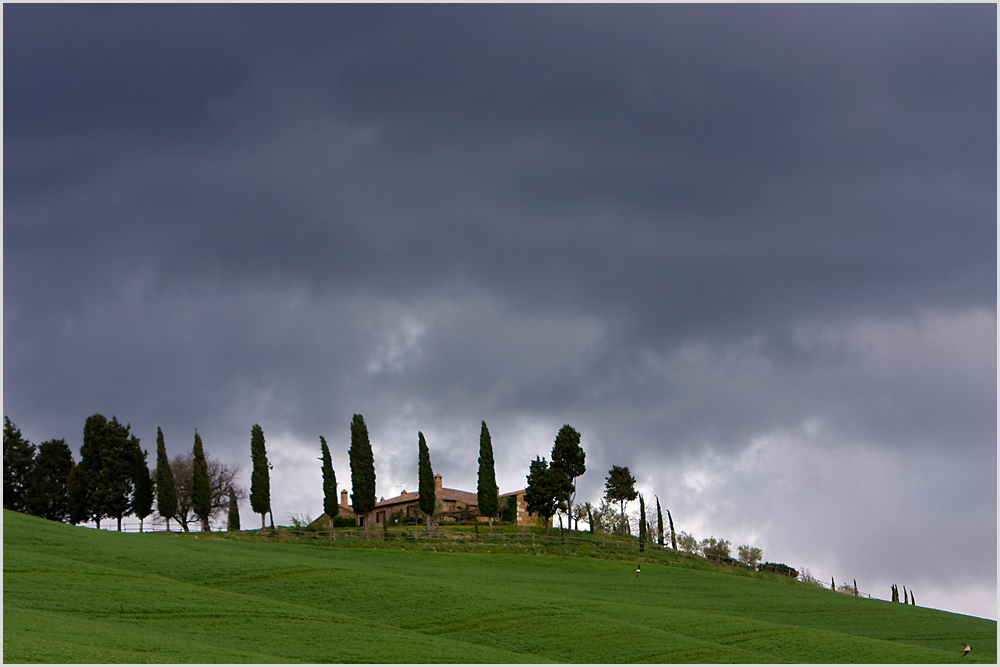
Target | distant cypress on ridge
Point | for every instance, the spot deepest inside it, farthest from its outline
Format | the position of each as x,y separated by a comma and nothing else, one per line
487,493
260,478
201,488
330,505
425,476
362,470
166,488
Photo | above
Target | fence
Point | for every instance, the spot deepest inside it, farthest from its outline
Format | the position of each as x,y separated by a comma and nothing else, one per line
524,538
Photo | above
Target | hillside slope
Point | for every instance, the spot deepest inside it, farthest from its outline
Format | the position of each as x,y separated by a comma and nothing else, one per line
79,595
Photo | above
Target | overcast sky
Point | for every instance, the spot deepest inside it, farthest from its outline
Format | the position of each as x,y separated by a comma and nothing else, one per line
747,251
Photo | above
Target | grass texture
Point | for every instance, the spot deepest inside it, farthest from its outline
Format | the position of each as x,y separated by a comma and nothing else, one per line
83,596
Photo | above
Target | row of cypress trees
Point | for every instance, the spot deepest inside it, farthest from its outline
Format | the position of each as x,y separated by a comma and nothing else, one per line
362,463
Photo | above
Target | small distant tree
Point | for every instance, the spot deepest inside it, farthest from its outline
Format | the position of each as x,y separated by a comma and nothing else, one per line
855,588
748,555
546,487
687,542
142,497
642,523
580,511
260,478
718,548
509,514
18,462
590,517
234,512
166,488
659,522
331,506
222,477
620,487
673,535
201,492
425,480
47,495
487,493
362,470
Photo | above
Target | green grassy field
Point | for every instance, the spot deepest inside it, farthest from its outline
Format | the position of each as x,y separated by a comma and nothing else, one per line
80,595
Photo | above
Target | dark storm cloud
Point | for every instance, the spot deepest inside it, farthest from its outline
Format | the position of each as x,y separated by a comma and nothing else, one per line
693,232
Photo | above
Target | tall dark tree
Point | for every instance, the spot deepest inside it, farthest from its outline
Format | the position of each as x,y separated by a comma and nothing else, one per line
47,495
487,493
107,464
201,488
425,474
673,535
76,487
142,496
643,533
362,470
547,486
659,522
569,457
619,487
260,478
330,505
166,488
234,512
18,462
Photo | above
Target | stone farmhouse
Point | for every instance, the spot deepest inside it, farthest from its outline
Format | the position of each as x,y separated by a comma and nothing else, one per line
456,504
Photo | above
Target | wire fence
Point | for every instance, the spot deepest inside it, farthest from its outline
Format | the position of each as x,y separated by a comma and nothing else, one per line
523,538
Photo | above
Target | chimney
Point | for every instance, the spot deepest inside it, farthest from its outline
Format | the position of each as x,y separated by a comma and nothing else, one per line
343,497
437,483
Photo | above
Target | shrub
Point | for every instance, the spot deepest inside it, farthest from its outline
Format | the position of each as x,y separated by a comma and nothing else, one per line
781,568
344,522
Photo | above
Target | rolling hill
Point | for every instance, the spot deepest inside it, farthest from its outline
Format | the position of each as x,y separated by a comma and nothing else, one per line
79,595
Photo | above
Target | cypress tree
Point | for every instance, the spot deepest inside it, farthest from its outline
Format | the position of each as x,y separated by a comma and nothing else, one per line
362,470
590,520
425,476
659,521
166,488
330,504
642,523
201,487
47,495
18,462
260,478
673,535
855,588
142,498
487,493
234,512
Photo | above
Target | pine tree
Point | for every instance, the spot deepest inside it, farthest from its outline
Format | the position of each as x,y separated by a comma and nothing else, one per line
47,495
487,493
234,512
425,476
260,478
362,470
642,523
659,521
330,504
569,457
201,488
166,488
547,486
619,487
142,497
107,468
18,462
